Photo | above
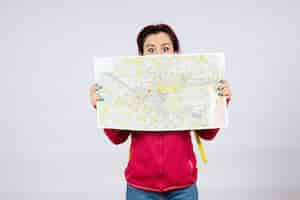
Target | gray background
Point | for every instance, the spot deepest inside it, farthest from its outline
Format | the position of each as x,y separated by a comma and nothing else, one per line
50,147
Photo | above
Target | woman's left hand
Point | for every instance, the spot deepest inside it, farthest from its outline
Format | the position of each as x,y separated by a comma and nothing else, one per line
223,89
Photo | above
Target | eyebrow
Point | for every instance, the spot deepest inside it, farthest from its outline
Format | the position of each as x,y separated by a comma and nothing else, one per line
149,45
163,44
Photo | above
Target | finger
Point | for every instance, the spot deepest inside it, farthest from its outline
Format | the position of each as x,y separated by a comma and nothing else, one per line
219,87
224,84
226,92
98,87
221,82
99,98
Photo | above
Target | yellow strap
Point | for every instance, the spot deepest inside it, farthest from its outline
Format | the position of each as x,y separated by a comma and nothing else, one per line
200,147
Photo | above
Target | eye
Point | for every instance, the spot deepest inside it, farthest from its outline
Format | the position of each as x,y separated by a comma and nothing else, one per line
166,49
150,50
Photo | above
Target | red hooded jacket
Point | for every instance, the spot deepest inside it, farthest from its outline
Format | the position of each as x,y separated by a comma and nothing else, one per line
160,160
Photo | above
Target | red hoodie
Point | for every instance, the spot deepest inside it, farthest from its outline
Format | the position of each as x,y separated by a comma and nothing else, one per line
160,160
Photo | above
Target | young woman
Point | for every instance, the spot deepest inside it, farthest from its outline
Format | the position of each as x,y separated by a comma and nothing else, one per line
162,164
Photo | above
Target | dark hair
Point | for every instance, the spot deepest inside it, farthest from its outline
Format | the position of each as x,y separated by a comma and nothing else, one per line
153,29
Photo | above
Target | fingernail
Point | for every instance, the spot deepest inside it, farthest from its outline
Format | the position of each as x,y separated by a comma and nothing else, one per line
100,99
98,87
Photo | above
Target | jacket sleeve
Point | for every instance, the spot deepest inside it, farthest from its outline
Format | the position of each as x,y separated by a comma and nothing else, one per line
117,136
209,134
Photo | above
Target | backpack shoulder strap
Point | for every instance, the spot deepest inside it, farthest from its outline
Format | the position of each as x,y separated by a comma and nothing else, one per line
200,147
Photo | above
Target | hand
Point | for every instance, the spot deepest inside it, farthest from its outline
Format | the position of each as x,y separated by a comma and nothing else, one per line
223,89
93,95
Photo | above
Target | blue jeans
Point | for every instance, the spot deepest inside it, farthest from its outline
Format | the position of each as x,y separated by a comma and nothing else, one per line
189,193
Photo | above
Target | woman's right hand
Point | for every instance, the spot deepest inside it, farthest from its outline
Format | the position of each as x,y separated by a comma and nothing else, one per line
93,96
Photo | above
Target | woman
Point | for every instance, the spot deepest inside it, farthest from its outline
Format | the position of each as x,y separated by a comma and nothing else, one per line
162,164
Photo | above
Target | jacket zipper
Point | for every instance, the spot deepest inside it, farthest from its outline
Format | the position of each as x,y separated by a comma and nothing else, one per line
161,158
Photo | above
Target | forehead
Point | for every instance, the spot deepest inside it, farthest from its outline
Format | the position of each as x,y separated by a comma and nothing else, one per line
157,39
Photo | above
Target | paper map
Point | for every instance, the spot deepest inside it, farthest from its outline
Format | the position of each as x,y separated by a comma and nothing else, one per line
161,92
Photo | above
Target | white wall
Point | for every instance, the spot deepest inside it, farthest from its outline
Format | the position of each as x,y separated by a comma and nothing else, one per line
50,147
